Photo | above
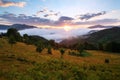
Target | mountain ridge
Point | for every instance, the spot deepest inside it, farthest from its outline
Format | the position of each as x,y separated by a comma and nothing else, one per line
102,26
16,26
106,35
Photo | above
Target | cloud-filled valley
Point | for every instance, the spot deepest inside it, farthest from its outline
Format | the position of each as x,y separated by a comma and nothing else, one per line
56,34
56,16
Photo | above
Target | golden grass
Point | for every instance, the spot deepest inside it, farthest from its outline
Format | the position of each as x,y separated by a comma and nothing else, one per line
10,57
21,50
29,52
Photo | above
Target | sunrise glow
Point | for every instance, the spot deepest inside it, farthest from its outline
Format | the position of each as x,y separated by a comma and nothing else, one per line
67,28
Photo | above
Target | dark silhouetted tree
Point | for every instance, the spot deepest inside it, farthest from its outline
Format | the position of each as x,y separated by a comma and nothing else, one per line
62,51
26,39
49,50
25,36
39,49
52,42
89,46
13,32
11,40
80,48
112,46
100,46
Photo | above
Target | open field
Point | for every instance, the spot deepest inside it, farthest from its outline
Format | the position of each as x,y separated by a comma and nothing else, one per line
22,62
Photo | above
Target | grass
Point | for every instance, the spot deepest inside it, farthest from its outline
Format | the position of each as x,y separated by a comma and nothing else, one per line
22,62
76,53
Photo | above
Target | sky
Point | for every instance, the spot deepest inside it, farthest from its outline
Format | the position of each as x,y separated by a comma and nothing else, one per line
67,14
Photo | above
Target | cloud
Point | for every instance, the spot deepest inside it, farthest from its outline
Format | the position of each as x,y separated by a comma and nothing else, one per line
101,21
33,20
89,16
45,10
24,19
51,14
47,13
63,20
4,3
3,21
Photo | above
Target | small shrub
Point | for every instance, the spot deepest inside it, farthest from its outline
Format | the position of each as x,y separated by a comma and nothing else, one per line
22,59
39,49
62,51
107,61
83,54
49,50
73,53
80,48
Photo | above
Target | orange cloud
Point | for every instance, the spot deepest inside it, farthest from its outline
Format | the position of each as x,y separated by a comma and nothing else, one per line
10,3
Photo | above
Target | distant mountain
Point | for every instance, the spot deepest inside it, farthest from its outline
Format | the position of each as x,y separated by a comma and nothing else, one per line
92,31
111,34
101,26
17,26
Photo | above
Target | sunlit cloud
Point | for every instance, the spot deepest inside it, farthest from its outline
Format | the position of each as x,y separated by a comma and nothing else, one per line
60,22
3,21
4,3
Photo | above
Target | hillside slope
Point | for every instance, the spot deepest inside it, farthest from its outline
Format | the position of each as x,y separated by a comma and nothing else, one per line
112,34
102,36
22,62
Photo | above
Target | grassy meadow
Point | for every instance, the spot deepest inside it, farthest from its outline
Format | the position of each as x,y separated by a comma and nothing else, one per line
22,62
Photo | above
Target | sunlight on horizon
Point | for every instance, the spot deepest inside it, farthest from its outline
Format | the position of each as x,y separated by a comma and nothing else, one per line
67,28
